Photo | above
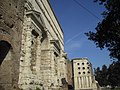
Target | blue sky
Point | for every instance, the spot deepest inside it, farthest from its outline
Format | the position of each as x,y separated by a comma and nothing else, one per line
75,21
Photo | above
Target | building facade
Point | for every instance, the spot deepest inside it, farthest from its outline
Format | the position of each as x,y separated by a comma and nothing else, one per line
31,47
83,75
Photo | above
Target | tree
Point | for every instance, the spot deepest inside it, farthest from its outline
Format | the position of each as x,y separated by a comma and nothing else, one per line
107,33
98,76
109,76
104,69
102,76
114,74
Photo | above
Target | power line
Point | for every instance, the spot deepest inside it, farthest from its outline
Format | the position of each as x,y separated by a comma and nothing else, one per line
86,9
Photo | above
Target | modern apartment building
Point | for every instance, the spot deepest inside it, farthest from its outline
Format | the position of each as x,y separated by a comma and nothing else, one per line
83,75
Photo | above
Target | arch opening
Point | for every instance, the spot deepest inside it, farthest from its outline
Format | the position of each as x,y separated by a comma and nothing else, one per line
4,49
6,65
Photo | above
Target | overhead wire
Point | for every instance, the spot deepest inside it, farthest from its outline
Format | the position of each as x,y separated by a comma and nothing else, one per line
81,5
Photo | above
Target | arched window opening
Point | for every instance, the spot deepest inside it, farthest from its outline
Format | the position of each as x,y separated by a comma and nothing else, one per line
6,65
4,49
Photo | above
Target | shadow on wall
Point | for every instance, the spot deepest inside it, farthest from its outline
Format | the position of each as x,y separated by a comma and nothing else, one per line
64,82
70,87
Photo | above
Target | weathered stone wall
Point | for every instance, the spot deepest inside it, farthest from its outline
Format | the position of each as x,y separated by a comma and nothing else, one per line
31,47
11,19
42,50
69,75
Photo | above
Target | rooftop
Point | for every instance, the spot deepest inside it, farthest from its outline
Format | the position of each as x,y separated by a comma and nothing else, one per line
80,58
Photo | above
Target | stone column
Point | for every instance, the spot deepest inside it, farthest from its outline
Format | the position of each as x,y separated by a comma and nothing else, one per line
52,65
79,82
38,54
82,82
28,53
87,83
25,71
90,81
75,82
38,58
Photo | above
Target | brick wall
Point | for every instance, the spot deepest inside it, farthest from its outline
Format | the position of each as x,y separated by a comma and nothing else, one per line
11,19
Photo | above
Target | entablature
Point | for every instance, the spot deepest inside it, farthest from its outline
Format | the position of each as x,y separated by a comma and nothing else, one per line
36,17
56,45
28,5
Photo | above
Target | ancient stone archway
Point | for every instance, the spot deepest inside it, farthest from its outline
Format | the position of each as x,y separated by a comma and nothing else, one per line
6,64
4,49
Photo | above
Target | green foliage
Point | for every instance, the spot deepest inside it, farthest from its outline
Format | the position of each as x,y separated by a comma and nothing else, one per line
101,75
114,74
109,76
108,30
98,76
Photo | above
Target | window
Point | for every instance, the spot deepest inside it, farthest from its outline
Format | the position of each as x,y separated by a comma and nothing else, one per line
78,63
87,67
87,62
82,63
79,72
78,67
83,68
83,72
88,72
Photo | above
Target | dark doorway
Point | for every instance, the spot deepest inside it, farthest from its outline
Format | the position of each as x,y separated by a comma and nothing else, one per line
4,49
6,66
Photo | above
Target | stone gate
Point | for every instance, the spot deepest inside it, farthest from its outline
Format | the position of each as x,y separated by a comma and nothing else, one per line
31,47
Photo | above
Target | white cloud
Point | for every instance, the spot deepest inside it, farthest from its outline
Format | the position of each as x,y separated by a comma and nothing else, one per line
71,39
73,45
